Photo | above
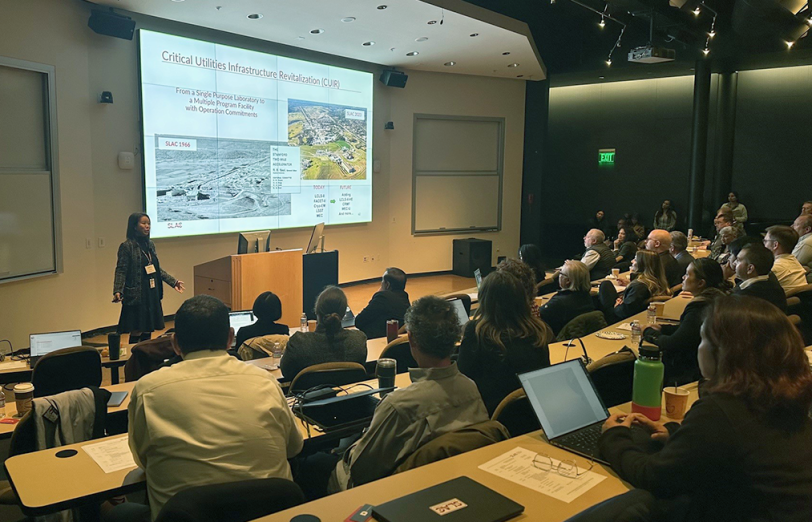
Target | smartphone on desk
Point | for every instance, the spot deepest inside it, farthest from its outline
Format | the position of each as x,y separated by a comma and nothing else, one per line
116,398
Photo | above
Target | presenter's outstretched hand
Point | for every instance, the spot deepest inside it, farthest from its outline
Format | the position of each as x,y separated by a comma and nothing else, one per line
117,297
179,286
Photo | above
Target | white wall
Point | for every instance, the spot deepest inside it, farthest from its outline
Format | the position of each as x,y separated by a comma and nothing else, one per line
97,197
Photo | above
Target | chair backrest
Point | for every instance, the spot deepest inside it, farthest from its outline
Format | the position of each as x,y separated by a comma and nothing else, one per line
613,376
465,298
401,351
67,369
232,502
659,299
148,356
794,319
676,289
516,414
582,325
456,442
335,373
261,347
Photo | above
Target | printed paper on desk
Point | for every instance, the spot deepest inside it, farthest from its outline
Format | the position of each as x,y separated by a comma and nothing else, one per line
517,466
111,455
624,326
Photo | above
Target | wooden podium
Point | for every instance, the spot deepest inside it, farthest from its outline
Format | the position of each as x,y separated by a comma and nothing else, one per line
238,279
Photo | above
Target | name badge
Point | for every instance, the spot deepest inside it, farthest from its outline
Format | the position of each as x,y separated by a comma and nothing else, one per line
149,269
152,283
449,506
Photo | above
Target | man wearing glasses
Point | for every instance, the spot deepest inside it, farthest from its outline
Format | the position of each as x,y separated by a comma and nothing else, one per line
780,240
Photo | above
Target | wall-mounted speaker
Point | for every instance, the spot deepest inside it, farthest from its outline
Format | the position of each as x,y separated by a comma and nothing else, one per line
470,254
394,79
111,24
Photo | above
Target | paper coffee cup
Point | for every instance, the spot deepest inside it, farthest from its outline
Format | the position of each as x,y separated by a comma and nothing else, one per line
615,273
659,308
676,400
23,396
311,325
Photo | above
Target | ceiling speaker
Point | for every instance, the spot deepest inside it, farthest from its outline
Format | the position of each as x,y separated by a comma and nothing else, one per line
111,24
394,79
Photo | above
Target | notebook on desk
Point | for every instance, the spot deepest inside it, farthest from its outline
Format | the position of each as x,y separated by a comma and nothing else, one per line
457,500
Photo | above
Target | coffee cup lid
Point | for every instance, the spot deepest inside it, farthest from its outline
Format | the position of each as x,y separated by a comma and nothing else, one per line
23,387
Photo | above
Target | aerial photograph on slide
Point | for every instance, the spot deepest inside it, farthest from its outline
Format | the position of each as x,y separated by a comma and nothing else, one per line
220,179
332,139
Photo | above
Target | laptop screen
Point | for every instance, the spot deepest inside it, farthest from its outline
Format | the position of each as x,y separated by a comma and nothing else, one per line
239,319
460,309
563,398
45,343
348,320
478,277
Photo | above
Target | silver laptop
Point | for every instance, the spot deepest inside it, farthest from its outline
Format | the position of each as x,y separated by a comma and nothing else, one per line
239,319
567,405
349,319
478,277
459,307
45,343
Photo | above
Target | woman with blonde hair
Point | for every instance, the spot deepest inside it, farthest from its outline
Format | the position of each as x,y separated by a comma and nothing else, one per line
503,339
650,283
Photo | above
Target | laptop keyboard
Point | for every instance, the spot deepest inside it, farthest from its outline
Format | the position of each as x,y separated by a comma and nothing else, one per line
584,440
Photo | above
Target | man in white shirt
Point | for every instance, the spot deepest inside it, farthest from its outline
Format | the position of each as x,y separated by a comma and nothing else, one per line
803,250
209,418
598,257
780,240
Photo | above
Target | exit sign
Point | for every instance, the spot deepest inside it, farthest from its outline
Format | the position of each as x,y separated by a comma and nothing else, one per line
606,157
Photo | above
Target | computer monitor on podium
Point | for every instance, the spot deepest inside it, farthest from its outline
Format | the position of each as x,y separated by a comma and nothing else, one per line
315,237
253,242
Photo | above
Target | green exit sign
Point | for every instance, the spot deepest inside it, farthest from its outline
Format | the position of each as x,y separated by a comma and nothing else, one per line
606,157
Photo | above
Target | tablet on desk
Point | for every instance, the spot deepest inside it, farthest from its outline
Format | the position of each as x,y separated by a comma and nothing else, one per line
116,398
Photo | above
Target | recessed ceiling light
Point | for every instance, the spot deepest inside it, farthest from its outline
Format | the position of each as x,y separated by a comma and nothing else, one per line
368,44
505,53
413,53
431,22
449,64
317,31
392,49
473,35
382,7
255,16
421,39
348,19
513,65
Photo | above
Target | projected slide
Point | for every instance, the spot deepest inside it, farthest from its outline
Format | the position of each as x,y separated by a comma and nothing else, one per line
238,140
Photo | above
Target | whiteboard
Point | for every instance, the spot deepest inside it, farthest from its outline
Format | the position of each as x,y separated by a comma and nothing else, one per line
457,173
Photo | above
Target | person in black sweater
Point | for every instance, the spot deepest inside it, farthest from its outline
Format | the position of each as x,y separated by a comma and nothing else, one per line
530,255
573,299
650,283
502,339
679,343
390,302
753,266
267,310
744,450
625,247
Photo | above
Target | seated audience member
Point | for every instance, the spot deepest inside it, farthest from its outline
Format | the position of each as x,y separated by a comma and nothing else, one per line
573,299
734,247
267,310
524,274
659,242
390,302
600,222
625,246
705,281
621,224
598,257
650,283
803,249
753,266
744,451
502,339
530,255
781,240
728,235
637,226
329,343
210,418
439,400
665,218
679,246
724,218
806,208
738,209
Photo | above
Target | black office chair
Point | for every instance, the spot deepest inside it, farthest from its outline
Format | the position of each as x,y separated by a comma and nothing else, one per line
613,376
516,414
67,369
401,351
232,502
334,373
465,298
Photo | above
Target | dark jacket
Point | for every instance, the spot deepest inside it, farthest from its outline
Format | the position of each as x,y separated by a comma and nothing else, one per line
683,260
494,371
673,272
129,270
258,329
733,463
635,300
604,264
384,305
565,306
679,343
308,348
768,290
626,251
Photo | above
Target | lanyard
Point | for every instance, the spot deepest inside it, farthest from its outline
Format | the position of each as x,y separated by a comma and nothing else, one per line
147,255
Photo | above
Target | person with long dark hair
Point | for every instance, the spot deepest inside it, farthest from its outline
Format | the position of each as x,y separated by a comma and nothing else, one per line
625,247
138,281
744,450
650,283
502,339
738,209
530,255
665,218
331,342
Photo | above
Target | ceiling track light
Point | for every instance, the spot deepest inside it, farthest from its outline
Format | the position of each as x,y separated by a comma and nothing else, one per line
697,11
602,23
616,46
789,44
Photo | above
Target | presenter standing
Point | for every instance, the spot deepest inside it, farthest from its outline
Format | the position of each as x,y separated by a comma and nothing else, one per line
137,285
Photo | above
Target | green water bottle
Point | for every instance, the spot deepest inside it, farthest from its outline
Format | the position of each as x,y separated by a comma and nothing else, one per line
647,389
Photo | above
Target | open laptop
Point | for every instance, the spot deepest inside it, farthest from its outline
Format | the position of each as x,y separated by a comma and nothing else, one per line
239,319
45,343
341,412
349,319
462,315
567,405
478,277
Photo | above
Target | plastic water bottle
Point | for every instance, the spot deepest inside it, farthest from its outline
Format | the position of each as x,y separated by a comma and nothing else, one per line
2,403
277,354
636,333
303,323
647,387
651,314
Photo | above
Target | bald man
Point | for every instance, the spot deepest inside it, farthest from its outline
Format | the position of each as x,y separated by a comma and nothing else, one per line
803,249
598,257
659,241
